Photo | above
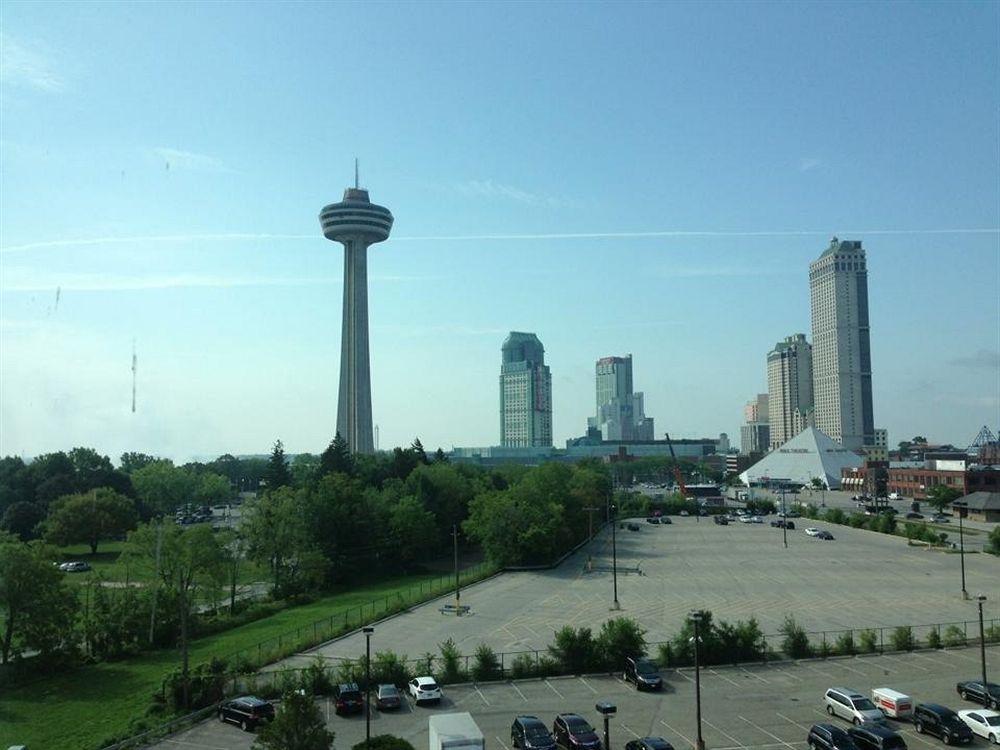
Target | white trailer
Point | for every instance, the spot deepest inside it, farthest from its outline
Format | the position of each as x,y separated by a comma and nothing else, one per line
455,732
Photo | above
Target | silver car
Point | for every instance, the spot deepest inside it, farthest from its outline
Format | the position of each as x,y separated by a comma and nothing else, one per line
853,706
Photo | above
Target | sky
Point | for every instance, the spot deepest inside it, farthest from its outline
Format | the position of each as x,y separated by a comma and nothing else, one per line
618,178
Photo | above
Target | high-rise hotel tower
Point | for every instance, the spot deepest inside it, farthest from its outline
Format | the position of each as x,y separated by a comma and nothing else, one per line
525,393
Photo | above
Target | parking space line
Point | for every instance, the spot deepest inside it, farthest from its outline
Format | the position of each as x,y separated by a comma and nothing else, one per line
686,677
589,686
818,671
628,729
754,675
552,688
731,682
916,736
769,734
518,690
677,733
792,721
787,674
624,685
723,732
935,662
850,669
500,741
480,692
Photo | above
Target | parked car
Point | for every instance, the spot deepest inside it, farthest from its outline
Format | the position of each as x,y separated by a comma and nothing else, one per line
684,513
643,672
812,531
248,712
984,723
721,520
572,732
665,519
975,691
387,697
876,737
852,705
424,690
911,515
939,518
782,523
74,567
653,519
530,733
347,699
648,743
824,534
633,527
941,722
829,737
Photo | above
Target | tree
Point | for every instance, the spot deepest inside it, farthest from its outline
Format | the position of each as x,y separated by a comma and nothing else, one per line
298,725
336,458
99,514
817,484
279,528
133,461
440,457
211,488
21,519
418,450
38,607
621,637
277,468
304,469
993,541
413,531
384,742
163,487
93,470
940,496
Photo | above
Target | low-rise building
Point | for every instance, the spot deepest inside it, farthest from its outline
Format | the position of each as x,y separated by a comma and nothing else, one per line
979,506
915,479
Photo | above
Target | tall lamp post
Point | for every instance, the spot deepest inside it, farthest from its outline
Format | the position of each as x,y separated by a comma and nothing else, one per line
696,617
961,545
982,640
784,518
368,683
606,709
614,555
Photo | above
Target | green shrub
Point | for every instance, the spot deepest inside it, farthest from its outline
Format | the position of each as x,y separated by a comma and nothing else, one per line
451,662
992,634
869,641
574,650
902,639
619,637
857,521
934,638
993,542
315,678
665,655
486,665
795,643
547,666
845,644
835,515
954,636
384,742
288,681
523,666
388,668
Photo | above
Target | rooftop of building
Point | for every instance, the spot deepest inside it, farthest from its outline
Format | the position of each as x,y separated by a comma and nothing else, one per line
839,246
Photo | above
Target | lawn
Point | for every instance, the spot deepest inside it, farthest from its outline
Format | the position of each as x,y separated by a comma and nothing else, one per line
81,708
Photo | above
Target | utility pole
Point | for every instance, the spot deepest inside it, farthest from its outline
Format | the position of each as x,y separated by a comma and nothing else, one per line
614,555
784,518
458,592
590,534
982,641
696,619
961,545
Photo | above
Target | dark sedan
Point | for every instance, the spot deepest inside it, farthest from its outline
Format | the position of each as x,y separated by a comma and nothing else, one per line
973,690
649,743
387,697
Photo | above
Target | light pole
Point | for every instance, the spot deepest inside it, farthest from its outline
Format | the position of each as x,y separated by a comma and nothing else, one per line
458,592
982,641
590,535
614,555
696,617
784,518
606,709
368,683
961,547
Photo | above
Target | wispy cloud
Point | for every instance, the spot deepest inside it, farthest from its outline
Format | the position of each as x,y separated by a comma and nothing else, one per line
26,66
492,189
983,359
156,238
189,160
728,271
808,163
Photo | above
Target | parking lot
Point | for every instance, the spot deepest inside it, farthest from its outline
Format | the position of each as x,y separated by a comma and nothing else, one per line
744,708
860,580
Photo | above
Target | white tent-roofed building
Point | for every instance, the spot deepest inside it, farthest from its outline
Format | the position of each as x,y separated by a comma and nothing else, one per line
809,454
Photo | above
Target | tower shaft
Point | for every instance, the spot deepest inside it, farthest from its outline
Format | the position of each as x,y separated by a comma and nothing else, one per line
354,408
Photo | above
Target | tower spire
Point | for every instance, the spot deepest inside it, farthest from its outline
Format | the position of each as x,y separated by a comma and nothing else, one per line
356,185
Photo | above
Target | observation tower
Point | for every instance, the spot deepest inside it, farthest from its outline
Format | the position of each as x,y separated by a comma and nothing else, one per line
355,223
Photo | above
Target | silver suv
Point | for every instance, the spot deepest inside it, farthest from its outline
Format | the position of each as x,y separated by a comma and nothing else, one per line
853,706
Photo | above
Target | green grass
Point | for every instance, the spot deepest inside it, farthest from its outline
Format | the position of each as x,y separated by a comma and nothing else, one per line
79,709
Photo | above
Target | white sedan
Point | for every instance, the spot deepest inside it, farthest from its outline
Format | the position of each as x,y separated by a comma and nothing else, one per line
424,690
812,531
984,723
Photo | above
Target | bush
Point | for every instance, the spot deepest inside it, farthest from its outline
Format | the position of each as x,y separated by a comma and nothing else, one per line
665,657
574,650
315,678
954,636
857,521
390,669
522,666
738,643
902,639
451,662
992,634
934,638
206,685
384,742
993,542
486,665
619,637
845,644
795,643
869,641
835,515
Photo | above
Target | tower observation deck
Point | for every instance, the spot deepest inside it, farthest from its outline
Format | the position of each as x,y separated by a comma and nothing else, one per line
355,223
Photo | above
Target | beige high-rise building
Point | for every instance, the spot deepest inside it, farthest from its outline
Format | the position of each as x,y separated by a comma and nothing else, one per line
842,370
756,410
789,388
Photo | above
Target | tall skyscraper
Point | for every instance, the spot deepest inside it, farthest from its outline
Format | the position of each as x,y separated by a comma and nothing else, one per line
842,369
355,223
789,388
620,412
756,410
525,393
755,434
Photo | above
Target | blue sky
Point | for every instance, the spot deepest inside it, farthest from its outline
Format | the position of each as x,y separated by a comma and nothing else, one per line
163,166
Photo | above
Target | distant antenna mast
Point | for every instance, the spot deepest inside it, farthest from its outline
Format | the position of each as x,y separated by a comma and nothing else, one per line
376,438
356,185
134,362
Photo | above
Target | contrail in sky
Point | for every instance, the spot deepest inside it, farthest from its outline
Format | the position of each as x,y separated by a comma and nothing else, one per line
242,236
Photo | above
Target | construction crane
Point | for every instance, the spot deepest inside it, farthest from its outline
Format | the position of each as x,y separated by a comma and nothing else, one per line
677,470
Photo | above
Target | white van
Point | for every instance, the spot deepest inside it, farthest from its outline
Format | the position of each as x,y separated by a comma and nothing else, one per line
853,706
893,704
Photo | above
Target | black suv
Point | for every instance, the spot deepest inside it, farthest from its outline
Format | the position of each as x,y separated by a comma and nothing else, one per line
572,732
649,743
247,711
941,722
643,673
876,737
347,699
530,733
973,690
829,737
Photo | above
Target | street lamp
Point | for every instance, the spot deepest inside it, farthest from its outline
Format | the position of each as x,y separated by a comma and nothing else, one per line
614,555
606,709
368,683
961,545
784,518
982,641
696,617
